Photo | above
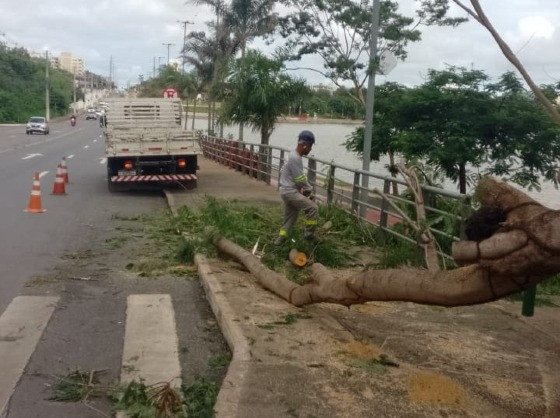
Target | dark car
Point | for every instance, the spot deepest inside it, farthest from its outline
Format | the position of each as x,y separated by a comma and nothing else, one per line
37,124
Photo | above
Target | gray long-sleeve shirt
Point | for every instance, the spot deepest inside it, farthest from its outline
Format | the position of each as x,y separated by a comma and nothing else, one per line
292,177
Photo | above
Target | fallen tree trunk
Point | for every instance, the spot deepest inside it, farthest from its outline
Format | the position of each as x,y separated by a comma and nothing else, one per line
524,251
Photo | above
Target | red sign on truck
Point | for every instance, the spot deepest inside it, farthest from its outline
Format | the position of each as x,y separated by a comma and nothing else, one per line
170,93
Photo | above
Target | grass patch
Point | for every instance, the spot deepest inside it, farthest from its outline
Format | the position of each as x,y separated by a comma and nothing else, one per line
199,398
219,362
116,242
137,399
550,286
76,386
245,224
374,365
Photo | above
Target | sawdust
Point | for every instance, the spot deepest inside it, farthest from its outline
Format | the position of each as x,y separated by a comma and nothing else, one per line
435,389
373,308
362,350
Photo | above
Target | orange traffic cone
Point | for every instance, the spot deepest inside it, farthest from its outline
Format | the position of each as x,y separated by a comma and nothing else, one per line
35,199
58,187
64,170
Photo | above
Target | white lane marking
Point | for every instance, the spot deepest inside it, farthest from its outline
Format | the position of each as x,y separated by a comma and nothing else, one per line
100,136
43,173
70,156
86,146
102,160
21,327
31,156
150,341
95,140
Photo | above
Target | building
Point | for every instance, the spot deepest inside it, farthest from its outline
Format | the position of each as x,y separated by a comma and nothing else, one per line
322,88
66,61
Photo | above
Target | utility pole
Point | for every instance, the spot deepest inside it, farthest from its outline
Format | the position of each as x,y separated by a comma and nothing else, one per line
154,67
168,45
184,23
47,98
370,97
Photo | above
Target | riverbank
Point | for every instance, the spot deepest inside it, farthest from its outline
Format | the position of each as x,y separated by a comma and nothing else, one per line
298,120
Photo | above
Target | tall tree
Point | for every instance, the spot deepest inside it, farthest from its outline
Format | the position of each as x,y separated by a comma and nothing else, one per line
478,14
259,92
249,19
457,121
339,31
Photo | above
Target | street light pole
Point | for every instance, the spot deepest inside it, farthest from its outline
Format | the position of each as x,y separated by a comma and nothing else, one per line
370,97
47,98
184,23
168,45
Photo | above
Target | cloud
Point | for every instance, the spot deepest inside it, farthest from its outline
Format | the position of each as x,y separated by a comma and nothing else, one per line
132,33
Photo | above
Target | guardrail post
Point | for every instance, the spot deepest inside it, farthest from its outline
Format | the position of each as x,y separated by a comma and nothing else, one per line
330,185
251,163
384,216
529,296
312,172
355,194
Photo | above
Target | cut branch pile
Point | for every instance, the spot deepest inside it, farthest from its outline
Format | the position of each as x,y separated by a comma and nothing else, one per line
521,252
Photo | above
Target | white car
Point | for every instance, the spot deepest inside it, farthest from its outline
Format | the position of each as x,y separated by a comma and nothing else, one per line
37,124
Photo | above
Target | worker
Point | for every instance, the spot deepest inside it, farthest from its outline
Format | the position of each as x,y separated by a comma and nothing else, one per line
296,192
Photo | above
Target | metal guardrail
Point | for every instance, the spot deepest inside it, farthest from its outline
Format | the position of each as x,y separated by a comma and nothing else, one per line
336,184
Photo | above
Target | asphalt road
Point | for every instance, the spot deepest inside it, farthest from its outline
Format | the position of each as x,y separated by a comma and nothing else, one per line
46,255
30,242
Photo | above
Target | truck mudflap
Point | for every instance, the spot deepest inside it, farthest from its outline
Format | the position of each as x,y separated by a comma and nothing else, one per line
155,177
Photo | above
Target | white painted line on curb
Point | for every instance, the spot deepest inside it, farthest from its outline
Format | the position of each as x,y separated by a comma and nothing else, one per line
70,156
102,160
21,326
43,173
150,348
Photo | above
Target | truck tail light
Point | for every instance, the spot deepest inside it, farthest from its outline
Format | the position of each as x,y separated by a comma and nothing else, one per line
181,162
128,165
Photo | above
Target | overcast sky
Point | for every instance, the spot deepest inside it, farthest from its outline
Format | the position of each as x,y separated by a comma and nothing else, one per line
133,33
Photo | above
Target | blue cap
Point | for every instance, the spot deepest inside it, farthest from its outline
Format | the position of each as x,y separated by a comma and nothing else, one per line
306,137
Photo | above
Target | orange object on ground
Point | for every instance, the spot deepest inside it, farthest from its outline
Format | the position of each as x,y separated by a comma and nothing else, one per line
35,199
58,187
297,258
64,170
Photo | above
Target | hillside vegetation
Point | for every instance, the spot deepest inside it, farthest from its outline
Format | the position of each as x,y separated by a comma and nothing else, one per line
22,86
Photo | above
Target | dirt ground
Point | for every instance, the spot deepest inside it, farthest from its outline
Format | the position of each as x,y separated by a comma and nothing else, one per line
394,359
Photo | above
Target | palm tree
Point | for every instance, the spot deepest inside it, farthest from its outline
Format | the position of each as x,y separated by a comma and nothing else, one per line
258,93
249,19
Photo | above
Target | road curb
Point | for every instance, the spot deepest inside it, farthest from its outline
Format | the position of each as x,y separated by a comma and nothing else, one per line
230,392
227,402
170,201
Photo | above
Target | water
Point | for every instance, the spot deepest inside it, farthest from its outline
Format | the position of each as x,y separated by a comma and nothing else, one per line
330,138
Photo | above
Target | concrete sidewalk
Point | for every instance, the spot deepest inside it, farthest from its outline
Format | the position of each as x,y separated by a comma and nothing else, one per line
325,360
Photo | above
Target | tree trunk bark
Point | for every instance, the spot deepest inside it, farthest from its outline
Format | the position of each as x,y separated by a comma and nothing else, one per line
392,164
194,113
481,17
519,256
462,178
243,47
